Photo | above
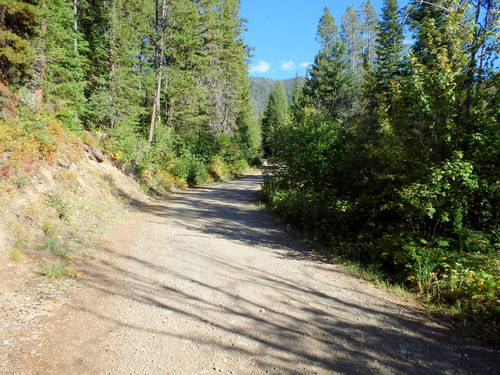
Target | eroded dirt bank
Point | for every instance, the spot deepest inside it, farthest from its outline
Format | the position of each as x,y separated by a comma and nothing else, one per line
202,283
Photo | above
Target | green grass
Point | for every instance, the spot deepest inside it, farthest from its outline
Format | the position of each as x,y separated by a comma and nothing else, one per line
54,271
15,255
55,201
374,274
56,247
51,228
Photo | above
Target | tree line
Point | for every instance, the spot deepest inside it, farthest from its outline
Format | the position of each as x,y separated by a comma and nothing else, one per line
163,83
389,153
262,87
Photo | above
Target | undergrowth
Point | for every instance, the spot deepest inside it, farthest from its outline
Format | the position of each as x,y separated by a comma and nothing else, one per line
33,140
465,284
54,271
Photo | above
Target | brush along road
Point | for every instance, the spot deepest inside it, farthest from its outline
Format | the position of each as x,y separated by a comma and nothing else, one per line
203,283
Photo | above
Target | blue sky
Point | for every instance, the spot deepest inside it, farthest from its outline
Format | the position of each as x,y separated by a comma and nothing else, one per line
283,33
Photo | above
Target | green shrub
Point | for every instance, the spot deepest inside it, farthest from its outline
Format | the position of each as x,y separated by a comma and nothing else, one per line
15,255
256,162
198,174
50,228
160,180
460,272
54,271
219,169
62,208
125,145
240,166
191,170
56,247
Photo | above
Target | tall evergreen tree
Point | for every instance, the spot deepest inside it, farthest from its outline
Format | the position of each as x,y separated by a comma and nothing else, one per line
369,21
19,23
358,31
159,38
185,101
351,33
63,80
94,23
389,54
297,98
331,85
274,116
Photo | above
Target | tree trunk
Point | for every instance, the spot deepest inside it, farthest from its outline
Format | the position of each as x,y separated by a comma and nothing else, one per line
155,116
35,85
75,24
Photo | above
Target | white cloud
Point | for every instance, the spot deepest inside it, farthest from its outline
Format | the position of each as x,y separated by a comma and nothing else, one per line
305,65
287,65
261,67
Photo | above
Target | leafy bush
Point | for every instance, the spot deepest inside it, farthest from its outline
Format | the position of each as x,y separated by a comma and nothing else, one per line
219,169
191,170
468,279
160,180
62,208
125,145
256,162
239,166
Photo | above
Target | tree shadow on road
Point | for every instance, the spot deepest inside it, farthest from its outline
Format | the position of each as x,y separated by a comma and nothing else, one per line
299,322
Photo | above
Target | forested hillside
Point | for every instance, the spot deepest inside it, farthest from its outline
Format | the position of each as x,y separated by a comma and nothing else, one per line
161,85
389,154
261,88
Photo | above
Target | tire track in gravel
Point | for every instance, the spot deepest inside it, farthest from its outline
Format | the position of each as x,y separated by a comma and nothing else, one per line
202,283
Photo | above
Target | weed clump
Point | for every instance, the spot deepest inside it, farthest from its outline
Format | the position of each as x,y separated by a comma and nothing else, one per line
54,271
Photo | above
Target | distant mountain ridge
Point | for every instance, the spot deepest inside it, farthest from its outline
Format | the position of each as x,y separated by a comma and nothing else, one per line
261,87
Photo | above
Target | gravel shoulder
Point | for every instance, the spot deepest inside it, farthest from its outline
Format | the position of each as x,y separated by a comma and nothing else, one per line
203,283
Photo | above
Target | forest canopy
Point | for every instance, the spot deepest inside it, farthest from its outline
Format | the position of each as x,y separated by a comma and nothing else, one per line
162,83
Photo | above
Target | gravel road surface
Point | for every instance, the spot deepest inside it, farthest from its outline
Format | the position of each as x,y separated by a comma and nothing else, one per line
203,283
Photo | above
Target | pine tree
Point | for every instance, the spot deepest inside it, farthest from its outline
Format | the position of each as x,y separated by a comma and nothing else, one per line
274,116
63,80
351,32
185,100
331,85
358,31
94,23
297,98
369,21
159,38
19,24
389,54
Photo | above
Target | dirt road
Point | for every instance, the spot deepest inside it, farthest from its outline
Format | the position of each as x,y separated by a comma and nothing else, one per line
202,283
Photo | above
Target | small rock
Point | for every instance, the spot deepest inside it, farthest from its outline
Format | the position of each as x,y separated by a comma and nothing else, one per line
64,162
96,154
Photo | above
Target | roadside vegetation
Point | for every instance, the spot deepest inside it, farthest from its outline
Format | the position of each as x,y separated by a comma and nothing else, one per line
388,155
157,88
167,99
